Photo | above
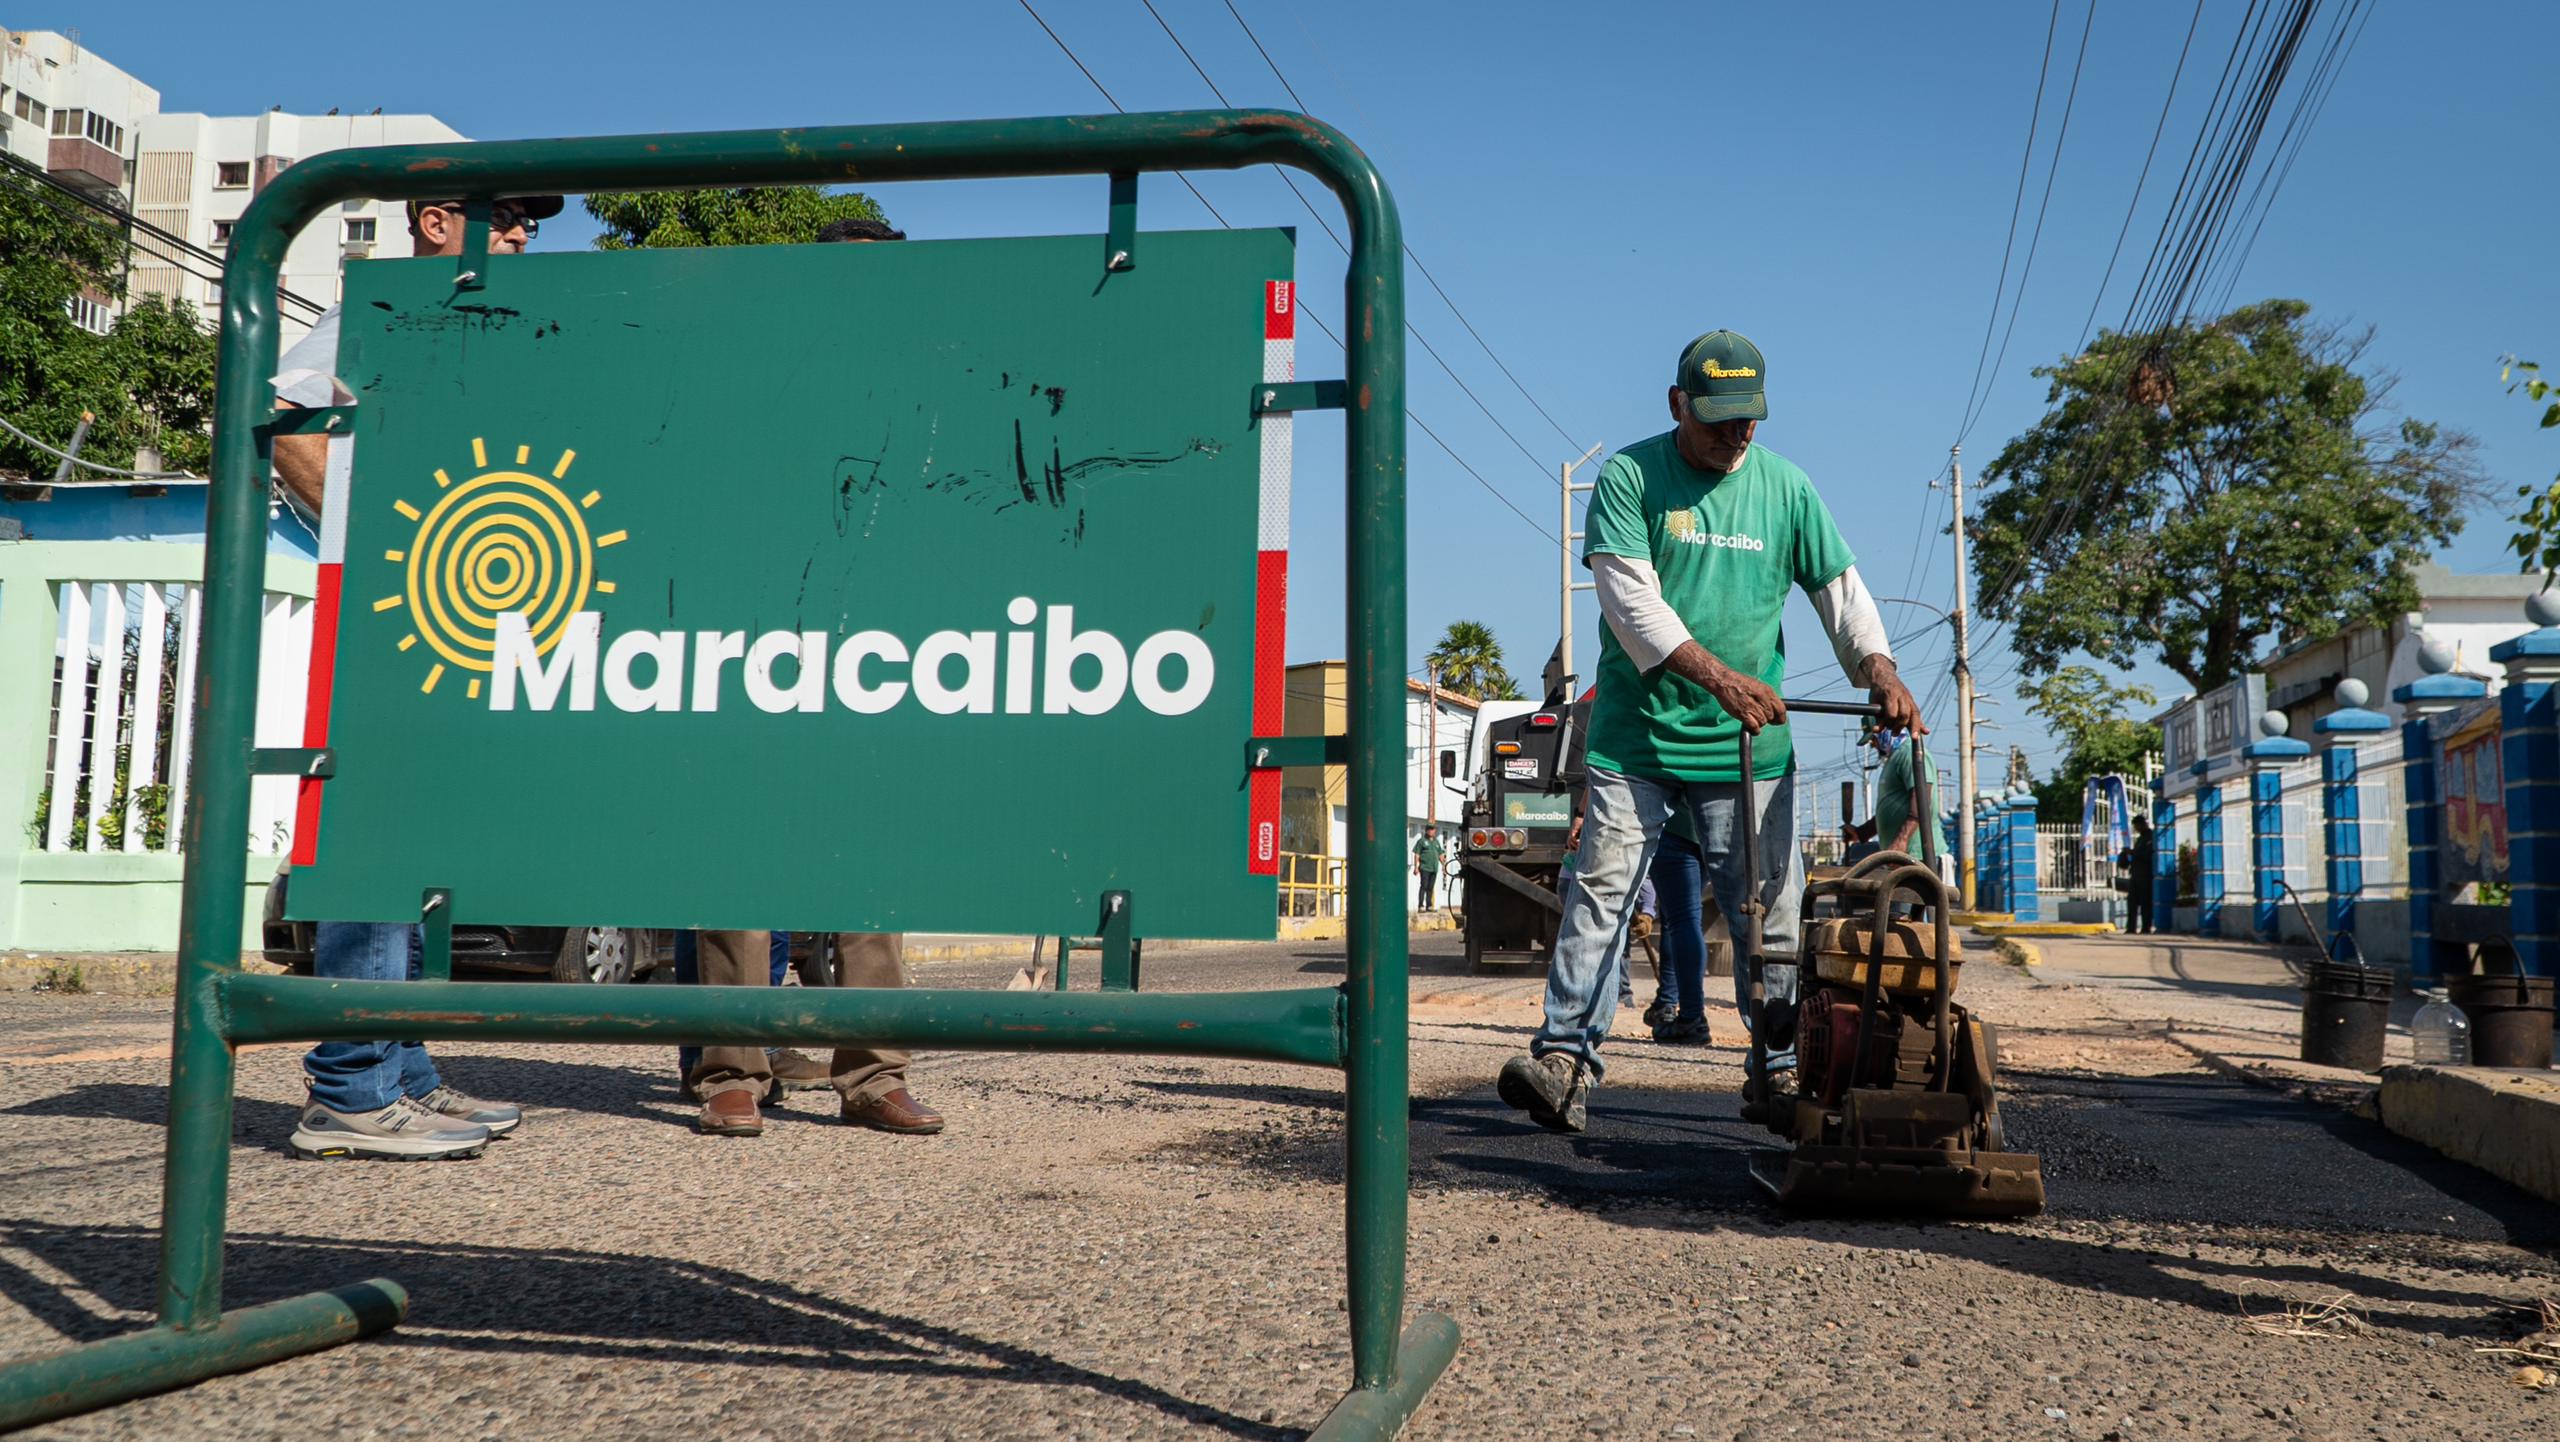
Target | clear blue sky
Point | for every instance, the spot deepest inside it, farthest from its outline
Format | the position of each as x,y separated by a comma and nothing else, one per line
1594,184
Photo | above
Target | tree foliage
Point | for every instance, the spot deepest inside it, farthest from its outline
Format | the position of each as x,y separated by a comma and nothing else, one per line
1470,662
2537,537
2191,495
148,383
744,215
2093,717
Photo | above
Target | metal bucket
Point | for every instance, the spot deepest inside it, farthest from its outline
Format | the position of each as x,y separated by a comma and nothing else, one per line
2346,1012
2510,1013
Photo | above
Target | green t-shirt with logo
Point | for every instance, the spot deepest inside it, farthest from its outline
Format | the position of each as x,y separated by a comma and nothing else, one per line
1428,852
1727,550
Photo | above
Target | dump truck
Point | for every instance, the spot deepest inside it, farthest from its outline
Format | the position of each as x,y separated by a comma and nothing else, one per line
1527,764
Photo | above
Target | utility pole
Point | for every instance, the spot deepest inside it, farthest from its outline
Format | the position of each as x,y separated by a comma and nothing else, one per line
1431,758
1964,692
1566,585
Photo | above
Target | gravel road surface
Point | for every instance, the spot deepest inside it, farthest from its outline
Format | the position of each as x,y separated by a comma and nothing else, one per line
1128,1248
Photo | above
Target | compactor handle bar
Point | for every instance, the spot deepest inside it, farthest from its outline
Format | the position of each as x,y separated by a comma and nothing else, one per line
1834,708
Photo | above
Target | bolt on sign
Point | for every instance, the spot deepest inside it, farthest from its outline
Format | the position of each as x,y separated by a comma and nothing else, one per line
912,586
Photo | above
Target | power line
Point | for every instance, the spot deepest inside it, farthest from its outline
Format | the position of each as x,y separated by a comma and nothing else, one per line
2053,169
1329,334
1330,234
2017,205
2141,180
1409,253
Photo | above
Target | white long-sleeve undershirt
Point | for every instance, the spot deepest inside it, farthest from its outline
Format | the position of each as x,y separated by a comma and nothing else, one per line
1631,600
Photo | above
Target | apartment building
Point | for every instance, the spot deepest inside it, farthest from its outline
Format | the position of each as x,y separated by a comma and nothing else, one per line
74,118
198,173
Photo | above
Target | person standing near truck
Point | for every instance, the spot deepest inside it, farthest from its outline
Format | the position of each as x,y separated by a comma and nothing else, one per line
1694,539
1430,856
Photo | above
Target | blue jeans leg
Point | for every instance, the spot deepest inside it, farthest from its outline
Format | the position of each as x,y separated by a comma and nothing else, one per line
364,1076
1714,805
1679,888
1621,819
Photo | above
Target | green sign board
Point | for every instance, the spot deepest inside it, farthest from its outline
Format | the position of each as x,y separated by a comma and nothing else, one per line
917,586
1538,810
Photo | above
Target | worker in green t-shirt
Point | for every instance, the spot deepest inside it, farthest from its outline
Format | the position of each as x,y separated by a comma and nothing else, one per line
1429,856
1901,822
1694,539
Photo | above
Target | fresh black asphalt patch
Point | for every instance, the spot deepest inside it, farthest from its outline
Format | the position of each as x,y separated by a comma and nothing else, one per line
2179,1150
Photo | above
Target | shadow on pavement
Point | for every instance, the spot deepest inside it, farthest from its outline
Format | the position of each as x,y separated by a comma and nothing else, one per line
567,1303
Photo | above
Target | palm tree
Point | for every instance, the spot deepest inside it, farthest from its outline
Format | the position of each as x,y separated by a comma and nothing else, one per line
1470,662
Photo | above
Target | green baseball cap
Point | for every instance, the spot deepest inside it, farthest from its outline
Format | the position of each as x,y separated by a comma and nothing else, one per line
1722,374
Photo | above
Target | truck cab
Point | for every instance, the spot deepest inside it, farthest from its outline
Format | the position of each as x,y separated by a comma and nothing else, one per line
1527,764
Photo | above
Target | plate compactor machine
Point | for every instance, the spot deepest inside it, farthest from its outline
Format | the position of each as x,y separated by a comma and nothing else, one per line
1893,1107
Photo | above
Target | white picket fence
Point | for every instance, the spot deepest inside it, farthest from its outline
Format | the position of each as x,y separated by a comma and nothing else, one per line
117,743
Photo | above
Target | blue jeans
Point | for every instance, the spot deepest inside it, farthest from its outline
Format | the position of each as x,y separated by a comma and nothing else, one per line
1622,823
1679,888
689,973
365,1076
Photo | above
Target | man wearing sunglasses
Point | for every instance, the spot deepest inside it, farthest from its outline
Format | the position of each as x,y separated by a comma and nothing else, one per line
1694,539
383,1099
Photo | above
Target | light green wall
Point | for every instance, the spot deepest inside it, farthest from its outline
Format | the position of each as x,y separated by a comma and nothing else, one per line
80,901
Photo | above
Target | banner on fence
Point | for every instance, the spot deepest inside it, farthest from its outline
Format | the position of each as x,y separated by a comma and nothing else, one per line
2472,780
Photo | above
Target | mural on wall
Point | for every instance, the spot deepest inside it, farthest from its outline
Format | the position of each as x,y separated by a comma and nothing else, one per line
2473,783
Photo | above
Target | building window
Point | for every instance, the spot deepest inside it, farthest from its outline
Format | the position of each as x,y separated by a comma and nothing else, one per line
360,232
88,314
104,131
67,122
231,175
222,231
29,108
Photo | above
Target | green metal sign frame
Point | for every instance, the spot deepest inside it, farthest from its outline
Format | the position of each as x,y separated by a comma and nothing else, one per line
1360,1027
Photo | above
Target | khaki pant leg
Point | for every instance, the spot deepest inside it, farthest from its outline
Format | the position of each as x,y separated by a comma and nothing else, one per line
869,958
734,958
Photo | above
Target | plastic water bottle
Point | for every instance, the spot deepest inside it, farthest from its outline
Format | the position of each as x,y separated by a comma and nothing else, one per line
2440,1032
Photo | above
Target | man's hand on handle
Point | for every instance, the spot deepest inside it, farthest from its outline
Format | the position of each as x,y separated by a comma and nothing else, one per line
1885,688
1744,698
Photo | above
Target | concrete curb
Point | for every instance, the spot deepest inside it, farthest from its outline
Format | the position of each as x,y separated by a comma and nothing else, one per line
2506,1123
109,973
2045,928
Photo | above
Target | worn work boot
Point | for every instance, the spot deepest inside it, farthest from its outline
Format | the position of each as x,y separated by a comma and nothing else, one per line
796,1071
1552,1089
730,1114
499,1117
403,1131
1677,1032
896,1111
1660,1013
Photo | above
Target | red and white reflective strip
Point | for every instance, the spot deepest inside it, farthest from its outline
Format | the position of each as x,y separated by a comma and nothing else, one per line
324,639
1271,577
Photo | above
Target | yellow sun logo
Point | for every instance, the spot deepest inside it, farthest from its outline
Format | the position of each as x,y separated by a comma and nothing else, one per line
1679,523
503,540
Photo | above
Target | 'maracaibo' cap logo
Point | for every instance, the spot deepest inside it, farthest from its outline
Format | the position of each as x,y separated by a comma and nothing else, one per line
504,543
1715,372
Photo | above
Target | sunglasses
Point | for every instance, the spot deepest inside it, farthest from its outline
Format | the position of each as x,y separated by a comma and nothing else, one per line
502,218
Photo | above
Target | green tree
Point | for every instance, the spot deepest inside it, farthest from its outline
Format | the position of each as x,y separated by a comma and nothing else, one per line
745,215
2190,495
149,383
2537,537
1470,661
2093,719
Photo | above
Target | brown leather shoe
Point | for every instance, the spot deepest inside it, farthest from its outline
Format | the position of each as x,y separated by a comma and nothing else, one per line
730,1114
797,1070
898,1111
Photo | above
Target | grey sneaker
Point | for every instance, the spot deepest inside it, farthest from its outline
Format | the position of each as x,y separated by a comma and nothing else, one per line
402,1131
499,1117
1552,1089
